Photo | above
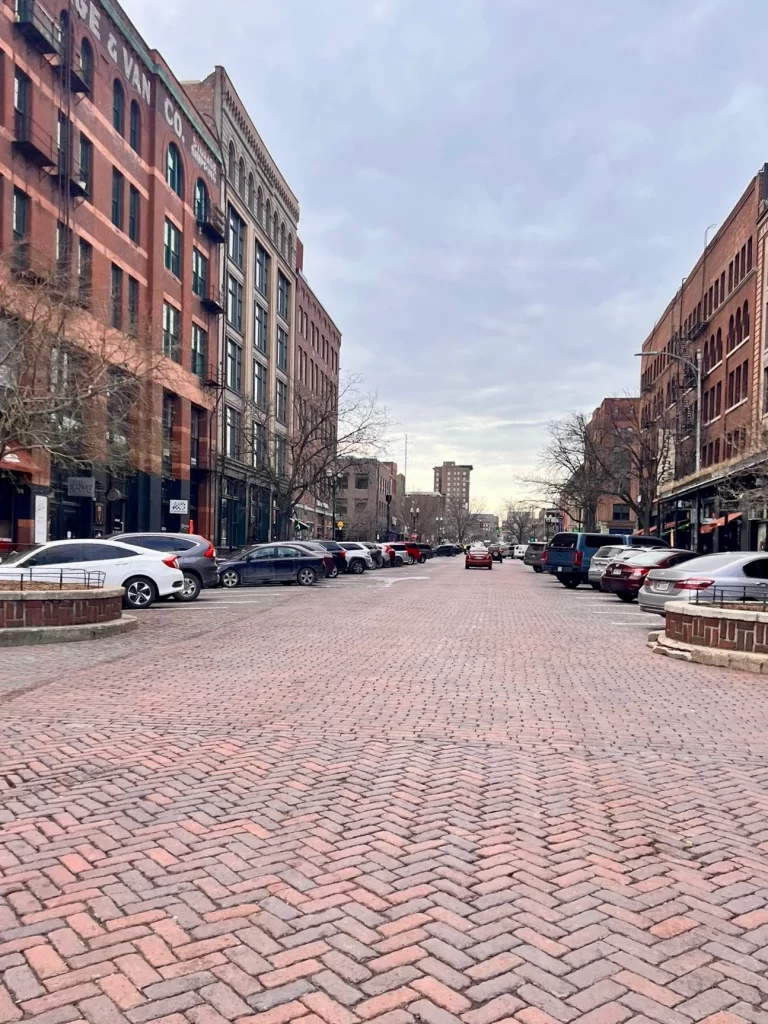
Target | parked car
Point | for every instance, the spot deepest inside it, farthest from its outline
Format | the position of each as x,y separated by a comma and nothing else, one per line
478,558
425,552
359,558
519,551
445,551
733,575
376,553
496,554
625,577
196,556
338,552
144,575
602,558
407,550
315,547
568,555
391,557
533,555
273,563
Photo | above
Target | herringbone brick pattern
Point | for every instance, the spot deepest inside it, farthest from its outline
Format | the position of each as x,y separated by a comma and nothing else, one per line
496,810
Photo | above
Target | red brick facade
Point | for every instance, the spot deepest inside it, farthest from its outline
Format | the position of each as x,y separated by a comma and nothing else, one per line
722,630
71,609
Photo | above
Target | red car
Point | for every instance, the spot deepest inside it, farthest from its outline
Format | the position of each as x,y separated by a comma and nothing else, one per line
478,558
624,579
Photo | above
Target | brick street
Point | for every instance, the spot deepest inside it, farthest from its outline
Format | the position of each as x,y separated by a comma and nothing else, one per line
426,795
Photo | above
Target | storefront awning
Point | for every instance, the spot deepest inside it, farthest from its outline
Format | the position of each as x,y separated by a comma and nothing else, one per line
298,525
733,515
19,461
670,525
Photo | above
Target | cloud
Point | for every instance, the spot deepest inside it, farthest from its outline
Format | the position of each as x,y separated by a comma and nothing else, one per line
497,198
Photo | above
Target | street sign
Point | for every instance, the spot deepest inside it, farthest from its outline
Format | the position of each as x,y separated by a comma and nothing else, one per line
340,524
81,487
178,506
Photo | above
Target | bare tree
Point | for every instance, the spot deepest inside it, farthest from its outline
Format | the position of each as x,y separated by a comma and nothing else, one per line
297,450
569,480
461,518
520,521
70,388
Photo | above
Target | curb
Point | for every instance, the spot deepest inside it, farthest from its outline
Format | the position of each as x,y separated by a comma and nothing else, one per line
757,664
66,634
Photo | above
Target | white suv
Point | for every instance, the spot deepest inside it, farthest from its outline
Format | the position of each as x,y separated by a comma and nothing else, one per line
359,558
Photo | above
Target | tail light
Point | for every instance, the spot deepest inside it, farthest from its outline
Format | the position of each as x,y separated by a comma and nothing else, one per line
210,553
171,561
578,558
544,558
637,572
343,554
693,583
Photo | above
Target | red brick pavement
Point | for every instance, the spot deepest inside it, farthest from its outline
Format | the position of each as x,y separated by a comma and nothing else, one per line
468,798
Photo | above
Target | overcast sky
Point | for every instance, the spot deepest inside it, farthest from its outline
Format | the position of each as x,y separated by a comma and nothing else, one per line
498,197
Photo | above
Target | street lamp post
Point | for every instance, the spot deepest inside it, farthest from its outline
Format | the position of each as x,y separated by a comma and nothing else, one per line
695,367
333,479
388,499
415,521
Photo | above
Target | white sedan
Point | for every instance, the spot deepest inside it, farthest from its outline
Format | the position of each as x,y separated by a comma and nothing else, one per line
145,575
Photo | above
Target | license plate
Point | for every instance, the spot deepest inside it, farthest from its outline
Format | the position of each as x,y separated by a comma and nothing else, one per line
661,586
559,568
616,572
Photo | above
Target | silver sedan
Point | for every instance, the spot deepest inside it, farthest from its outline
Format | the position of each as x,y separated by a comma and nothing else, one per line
730,576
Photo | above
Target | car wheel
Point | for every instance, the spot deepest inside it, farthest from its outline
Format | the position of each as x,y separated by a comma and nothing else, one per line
191,589
357,568
595,586
398,562
306,577
570,584
627,598
140,592
410,559
422,559
333,573
490,566
537,568
230,578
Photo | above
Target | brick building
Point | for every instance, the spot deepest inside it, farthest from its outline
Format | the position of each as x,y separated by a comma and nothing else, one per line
453,481
614,416
362,499
711,318
109,173
316,369
258,330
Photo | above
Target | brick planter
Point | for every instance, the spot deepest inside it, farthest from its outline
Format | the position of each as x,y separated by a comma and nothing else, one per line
734,636
55,616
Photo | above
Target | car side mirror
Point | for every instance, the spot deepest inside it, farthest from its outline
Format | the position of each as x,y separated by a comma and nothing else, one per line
249,558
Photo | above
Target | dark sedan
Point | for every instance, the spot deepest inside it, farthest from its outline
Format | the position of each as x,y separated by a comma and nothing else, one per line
273,563
625,578
446,551
338,552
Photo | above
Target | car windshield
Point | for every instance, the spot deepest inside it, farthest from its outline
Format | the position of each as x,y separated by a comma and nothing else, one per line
607,551
14,558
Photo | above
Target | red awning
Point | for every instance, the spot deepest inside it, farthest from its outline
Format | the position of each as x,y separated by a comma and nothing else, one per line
19,461
733,515
670,525
653,529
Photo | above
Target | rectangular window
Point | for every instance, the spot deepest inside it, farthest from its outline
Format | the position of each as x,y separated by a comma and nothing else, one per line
22,93
259,384
730,390
730,276
361,483
744,378
231,432
717,450
84,271
737,385
171,332
169,418
259,445
133,306
85,171
717,293
199,351
280,460
620,513
234,364
63,140
705,407
749,255
20,219
118,198
283,296
281,402
199,273
262,269
195,421
134,214
117,296
172,239
260,336
736,267
235,303
282,349
236,238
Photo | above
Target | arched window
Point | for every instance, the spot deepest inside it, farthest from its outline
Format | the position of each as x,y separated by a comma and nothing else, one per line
201,201
241,176
231,163
86,64
118,107
739,335
259,205
268,223
274,226
134,135
705,359
250,192
745,320
731,335
282,238
174,173
290,249
719,346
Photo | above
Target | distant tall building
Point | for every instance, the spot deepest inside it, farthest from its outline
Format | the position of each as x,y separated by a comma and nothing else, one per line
452,481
